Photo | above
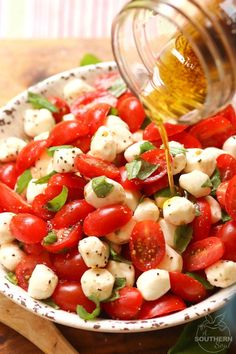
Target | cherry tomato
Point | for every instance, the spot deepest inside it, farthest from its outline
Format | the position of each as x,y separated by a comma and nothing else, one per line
202,223
188,288
127,306
230,198
220,193
62,107
155,157
8,174
29,154
66,132
227,166
71,213
147,245
75,185
151,132
107,219
66,238
215,230
106,80
229,113
132,112
166,304
69,294
28,228
69,266
203,253
91,167
34,249
227,234
96,115
11,201
155,186
188,140
39,206
123,97
134,184
83,143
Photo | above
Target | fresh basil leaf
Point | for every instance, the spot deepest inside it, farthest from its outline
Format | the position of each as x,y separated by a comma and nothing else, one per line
182,237
201,280
118,88
101,187
118,285
140,169
146,170
51,303
45,179
38,102
207,184
84,314
164,193
146,122
89,59
216,181
197,210
113,111
146,146
11,277
23,181
133,168
177,150
50,238
57,203
114,256
52,149
225,216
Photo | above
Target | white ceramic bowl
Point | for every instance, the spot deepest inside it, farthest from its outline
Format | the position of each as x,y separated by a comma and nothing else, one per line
11,123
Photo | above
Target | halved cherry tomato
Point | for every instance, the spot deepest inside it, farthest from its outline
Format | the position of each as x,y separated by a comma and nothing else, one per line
83,143
11,201
134,184
147,245
95,116
203,253
28,228
229,113
66,132
34,249
29,154
66,238
69,294
215,230
62,107
155,157
188,288
69,266
155,186
227,166
127,306
227,234
90,167
39,206
202,223
107,219
8,174
166,304
75,184
131,112
220,193
106,80
151,132
71,213
230,198
188,140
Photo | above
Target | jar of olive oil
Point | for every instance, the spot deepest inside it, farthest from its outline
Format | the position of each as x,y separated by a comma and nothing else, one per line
178,56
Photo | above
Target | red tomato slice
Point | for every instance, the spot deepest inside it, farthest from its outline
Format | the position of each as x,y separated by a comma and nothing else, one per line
188,140
69,180
230,198
147,245
106,80
83,143
8,174
95,116
165,305
155,157
62,107
91,167
151,132
215,230
188,288
69,266
227,166
127,306
151,188
229,113
11,201
220,193
131,111
201,254
39,206
202,223
133,184
34,249
29,154
227,234
66,132
107,219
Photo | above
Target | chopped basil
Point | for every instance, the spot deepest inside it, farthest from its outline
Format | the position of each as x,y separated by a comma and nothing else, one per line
11,277
225,216
216,181
114,256
46,178
182,237
146,170
50,238
118,88
133,168
177,150
113,111
57,203
101,187
118,285
207,184
164,193
52,149
146,122
51,303
84,314
146,146
140,169
38,102
23,181
197,210
89,59
201,280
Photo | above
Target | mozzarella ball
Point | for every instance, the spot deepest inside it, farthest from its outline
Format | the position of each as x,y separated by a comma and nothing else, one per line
133,151
172,261
161,197
230,146
10,148
111,121
195,183
216,213
179,159
214,152
132,199
153,284
178,211
202,160
102,145
10,256
122,235
5,233
122,270
42,136
168,232
146,210
42,283
122,137
74,88
94,252
222,273
34,189
43,166
97,282
115,196
69,116
64,159
38,121
138,136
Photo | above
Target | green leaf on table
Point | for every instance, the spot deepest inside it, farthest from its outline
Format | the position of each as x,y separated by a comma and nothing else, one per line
101,187
50,238
215,181
11,277
52,149
118,88
140,168
118,285
84,314
46,178
23,181
39,101
146,146
182,237
57,203
201,280
89,59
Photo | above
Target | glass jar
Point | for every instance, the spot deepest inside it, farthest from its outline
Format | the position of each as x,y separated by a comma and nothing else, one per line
179,53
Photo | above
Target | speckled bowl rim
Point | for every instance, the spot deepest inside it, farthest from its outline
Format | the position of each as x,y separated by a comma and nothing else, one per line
19,296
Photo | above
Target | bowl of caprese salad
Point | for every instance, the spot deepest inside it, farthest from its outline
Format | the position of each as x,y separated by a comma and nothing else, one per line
90,235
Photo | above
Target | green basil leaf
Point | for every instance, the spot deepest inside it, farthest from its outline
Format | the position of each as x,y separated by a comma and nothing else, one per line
89,59
50,238
146,146
146,122
133,168
101,187
216,181
177,150
113,111
118,88
225,216
38,102
201,280
57,203
118,285
11,277
197,210
116,257
207,184
164,193
45,179
51,303
52,149
23,181
182,237
84,314
146,170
